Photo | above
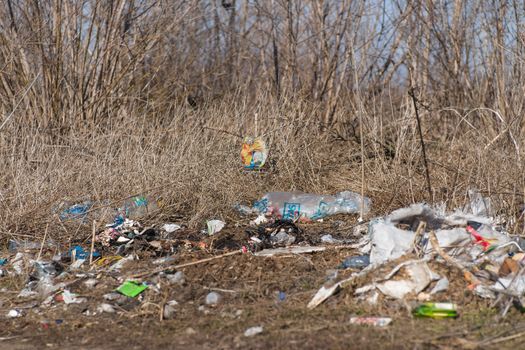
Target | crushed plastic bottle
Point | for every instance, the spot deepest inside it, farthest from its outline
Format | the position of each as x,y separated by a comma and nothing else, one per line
133,208
308,206
137,207
356,262
16,246
436,310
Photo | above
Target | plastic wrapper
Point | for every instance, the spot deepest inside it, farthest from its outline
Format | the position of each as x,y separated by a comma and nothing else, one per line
253,153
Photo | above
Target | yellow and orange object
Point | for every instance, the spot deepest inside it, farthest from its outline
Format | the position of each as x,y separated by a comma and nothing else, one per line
253,153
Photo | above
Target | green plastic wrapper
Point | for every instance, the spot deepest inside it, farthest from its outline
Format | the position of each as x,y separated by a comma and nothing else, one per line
131,289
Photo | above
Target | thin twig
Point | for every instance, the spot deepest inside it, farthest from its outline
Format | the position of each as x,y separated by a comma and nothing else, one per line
223,131
148,273
423,151
92,242
42,245
19,101
503,339
451,261
420,230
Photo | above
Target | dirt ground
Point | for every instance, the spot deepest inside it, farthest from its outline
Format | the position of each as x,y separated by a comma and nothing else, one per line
250,286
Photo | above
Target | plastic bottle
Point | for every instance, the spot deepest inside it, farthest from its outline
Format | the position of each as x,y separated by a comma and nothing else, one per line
134,208
308,206
436,310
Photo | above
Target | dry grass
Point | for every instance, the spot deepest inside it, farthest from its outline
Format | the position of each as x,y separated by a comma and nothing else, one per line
102,100
197,170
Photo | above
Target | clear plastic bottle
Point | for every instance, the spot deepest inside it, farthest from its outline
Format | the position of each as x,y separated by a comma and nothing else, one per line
134,208
308,206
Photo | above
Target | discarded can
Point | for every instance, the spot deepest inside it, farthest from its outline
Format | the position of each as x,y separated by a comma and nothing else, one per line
371,321
436,310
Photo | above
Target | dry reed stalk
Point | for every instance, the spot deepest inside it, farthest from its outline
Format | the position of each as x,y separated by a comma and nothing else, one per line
42,245
202,261
94,232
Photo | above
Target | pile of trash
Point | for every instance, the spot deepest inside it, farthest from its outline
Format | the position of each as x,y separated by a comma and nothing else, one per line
470,240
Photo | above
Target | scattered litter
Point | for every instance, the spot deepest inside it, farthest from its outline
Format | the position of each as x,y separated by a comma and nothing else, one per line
43,269
356,262
436,310
371,321
388,242
135,208
104,307
16,245
253,153
18,263
275,233
213,298
395,255
441,286
259,220
328,239
215,226
176,278
465,240
131,288
250,332
76,211
115,297
169,309
165,260
14,313
72,298
282,238
77,264
107,260
420,277
79,253
121,262
306,206
511,285
91,283
170,228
